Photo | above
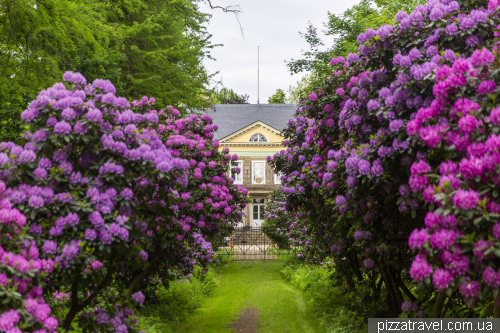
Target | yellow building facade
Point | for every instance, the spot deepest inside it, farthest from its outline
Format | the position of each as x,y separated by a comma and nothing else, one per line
253,132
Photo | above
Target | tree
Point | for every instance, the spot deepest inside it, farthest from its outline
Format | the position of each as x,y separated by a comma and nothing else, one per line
144,46
278,98
228,96
300,90
345,29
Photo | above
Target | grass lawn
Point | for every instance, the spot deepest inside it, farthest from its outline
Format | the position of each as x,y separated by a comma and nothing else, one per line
256,285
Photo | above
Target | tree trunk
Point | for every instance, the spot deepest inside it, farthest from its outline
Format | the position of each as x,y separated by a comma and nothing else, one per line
355,266
496,313
143,274
405,289
438,306
75,306
390,290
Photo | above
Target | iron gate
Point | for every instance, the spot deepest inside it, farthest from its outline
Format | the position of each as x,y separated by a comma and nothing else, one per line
249,243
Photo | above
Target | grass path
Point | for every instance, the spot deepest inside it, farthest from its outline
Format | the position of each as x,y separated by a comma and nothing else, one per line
258,285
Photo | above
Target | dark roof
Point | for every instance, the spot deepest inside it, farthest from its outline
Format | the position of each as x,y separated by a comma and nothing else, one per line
233,117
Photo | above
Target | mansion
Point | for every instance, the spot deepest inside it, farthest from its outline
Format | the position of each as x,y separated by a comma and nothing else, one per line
253,132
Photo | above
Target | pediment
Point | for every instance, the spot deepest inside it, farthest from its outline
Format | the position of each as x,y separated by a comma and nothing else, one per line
242,136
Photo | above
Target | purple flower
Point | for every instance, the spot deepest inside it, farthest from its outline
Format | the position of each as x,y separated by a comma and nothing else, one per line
406,306
36,201
401,15
451,29
491,278
481,57
81,128
27,156
138,297
473,40
449,55
49,247
420,269
40,173
313,97
377,168
414,54
143,255
340,200
443,239
62,128
68,114
469,289
90,234
102,318
372,105
353,57
487,87
94,115
418,238
404,190
436,14
396,125
419,168
71,250
466,199
369,263
51,121
96,219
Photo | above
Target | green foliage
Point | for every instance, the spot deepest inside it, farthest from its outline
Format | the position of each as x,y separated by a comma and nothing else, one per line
228,96
146,47
10,123
180,299
335,306
300,90
277,220
254,285
278,98
344,30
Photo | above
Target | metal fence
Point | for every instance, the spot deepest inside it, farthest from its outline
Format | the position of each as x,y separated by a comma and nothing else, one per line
249,243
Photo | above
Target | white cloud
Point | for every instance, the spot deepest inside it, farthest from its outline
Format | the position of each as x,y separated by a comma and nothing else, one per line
274,25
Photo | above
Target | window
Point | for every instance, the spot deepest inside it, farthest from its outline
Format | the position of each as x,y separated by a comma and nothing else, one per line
258,138
277,178
258,212
259,172
238,177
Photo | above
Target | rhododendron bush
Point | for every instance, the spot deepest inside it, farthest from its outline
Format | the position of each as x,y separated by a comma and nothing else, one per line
394,161
101,192
207,209
20,272
279,222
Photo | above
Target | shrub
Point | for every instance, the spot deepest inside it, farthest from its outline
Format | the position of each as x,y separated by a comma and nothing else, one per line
176,301
23,309
362,153
278,221
101,193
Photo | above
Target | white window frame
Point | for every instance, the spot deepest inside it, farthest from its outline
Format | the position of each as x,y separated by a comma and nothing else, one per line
265,136
257,223
264,173
231,167
277,178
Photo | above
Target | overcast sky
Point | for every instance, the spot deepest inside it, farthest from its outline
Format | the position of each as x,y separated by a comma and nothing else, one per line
273,25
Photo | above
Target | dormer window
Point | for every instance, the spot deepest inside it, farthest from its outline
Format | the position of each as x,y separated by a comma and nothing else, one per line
258,138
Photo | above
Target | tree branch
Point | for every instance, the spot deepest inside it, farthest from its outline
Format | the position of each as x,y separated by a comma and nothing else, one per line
235,9
143,274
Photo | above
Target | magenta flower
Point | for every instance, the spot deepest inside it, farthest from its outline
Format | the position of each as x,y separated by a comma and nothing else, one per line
418,238
466,199
441,279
